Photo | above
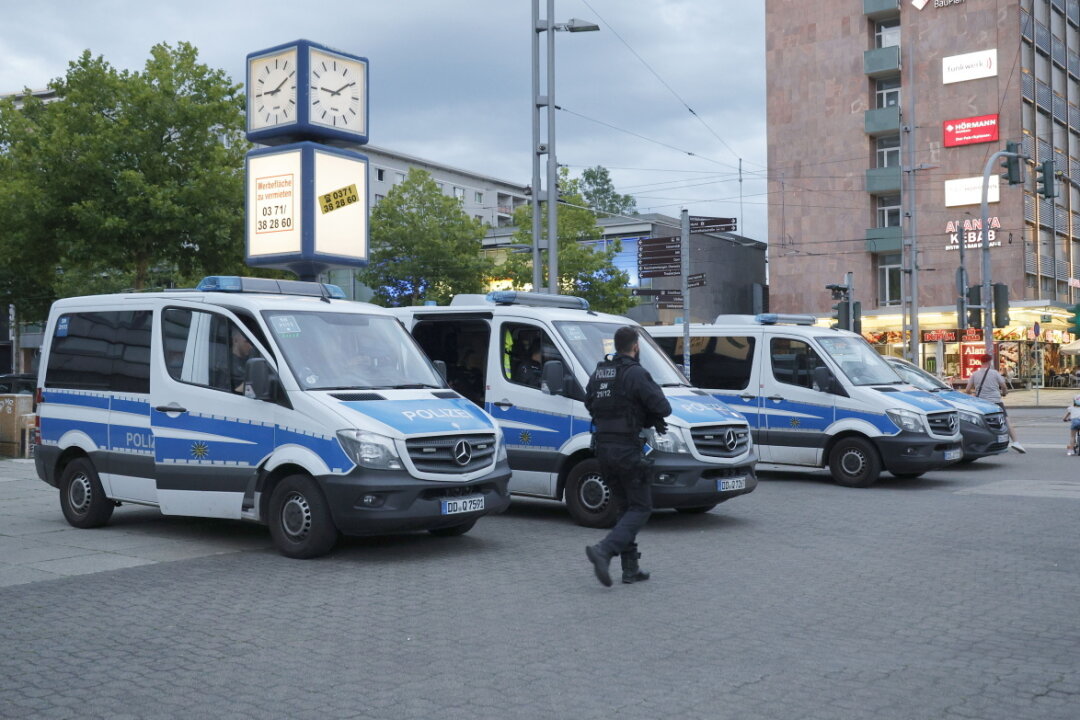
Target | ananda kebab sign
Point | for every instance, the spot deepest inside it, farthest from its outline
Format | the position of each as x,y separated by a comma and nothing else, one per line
970,230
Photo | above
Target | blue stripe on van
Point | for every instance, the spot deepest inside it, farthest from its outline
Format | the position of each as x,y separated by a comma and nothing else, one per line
52,429
69,398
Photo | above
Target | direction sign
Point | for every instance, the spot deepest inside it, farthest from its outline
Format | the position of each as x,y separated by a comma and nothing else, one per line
704,223
654,243
677,267
659,273
659,260
695,284
653,252
694,277
655,292
670,305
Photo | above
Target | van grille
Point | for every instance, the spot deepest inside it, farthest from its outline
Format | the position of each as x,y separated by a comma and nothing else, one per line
721,440
943,423
455,454
995,421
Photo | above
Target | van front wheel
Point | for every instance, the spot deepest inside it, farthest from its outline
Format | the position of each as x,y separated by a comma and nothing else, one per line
854,462
591,500
300,521
81,496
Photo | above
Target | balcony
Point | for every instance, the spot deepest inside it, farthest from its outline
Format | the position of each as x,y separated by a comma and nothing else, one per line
884,240
882,121
884,180
881,9
882,61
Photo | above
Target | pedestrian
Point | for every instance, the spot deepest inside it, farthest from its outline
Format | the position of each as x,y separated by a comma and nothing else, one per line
1072,413
623,399
988,384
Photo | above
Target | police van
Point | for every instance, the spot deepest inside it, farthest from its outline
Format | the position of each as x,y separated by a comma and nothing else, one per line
818,397
526,358
277,402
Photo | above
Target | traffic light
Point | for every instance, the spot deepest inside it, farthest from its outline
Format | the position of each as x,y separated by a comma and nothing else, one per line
840,315
1074,320
1001,305
974,297
856,317
1014,167
1045,181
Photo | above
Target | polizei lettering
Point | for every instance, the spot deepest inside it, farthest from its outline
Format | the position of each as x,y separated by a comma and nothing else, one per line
139,440
435,414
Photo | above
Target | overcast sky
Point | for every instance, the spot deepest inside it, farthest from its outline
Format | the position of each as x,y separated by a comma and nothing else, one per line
451,81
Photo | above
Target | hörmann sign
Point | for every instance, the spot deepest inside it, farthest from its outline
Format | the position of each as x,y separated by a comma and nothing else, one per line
971,130
969,66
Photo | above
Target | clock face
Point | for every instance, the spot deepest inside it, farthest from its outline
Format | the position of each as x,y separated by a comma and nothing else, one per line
337,92
272,90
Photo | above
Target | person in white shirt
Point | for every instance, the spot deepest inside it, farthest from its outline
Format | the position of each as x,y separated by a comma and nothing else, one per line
1072,413
988,384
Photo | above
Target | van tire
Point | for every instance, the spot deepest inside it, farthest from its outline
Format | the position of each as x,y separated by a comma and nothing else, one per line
453,530
696,510
299,519
591,500
854,462
81,496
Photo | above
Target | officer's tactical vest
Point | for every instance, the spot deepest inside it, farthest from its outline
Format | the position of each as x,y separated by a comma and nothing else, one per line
612,410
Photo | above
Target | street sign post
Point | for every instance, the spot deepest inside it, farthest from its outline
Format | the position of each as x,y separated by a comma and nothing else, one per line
706,224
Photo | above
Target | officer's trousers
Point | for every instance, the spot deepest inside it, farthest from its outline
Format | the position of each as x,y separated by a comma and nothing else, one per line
625,469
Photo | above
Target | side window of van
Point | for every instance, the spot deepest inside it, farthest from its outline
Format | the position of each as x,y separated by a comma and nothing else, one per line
716,363
793,361
206,349
106,351
525,349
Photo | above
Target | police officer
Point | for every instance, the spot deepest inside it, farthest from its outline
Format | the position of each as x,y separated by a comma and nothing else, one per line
623,399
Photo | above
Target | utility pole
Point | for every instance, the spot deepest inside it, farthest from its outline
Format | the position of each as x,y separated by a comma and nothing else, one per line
987,302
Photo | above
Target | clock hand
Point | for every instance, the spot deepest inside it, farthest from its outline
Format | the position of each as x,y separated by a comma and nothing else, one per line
343,87
276,90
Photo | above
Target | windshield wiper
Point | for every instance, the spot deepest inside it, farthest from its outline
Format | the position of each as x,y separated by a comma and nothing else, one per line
676,384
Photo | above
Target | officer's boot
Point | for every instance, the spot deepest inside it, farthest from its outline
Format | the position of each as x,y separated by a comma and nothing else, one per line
631,573
600,560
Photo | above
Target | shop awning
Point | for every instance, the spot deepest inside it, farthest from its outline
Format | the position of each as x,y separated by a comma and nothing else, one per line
1072,348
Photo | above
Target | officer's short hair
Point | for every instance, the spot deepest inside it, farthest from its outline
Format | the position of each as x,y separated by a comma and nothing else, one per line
625,337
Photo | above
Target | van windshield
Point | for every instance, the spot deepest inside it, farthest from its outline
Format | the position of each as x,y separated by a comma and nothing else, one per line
591,341
918,377
857,360
345,351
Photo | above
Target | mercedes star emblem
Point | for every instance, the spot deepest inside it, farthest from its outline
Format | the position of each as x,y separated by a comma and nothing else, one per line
462,452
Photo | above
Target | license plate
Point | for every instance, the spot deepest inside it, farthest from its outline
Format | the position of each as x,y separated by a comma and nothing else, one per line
954,454
462,505
738,483
1003,438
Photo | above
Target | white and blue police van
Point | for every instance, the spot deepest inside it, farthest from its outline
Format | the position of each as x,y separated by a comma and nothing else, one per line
817,397
526,358
983,428
278,402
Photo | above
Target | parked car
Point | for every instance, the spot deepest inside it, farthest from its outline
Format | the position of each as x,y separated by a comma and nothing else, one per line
983,428
17,383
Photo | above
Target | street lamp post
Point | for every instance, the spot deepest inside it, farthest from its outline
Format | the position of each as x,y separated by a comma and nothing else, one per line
549,193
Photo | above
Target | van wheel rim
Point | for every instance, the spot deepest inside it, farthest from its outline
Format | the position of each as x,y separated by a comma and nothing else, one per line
594,492
853,463
79,493
296,516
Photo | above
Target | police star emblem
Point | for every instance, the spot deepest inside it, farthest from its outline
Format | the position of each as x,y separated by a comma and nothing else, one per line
794,422
526,437
200,450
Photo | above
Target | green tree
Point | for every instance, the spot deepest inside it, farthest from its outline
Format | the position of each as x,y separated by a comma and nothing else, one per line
599,193
125,175
423,246
586,268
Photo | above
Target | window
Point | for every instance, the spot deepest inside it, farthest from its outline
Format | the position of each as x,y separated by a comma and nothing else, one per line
793,362
888,211
441,186
888,275
400,178
206,349
887,33
525,349
380,174
101,351
479,218
378,198
463,346
478,197
888,92
716,363
888,151
459,193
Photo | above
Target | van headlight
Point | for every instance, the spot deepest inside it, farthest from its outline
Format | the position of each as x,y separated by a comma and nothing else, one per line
369,450
500,453
907,420
970,417
672,441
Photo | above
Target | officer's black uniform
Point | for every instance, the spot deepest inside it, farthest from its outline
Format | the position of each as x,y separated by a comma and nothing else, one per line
623,398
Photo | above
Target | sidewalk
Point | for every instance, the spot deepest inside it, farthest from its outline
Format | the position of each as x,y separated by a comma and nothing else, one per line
1041,398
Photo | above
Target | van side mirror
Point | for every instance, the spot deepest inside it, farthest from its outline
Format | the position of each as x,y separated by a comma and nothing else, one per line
260,380
440,366
553,379
827,382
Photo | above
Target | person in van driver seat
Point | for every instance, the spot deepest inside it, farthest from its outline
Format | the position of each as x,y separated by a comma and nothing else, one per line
531,369
623,399
240,350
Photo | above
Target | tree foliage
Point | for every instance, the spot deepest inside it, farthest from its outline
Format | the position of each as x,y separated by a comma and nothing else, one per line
599,193
423,246
586,266
125,175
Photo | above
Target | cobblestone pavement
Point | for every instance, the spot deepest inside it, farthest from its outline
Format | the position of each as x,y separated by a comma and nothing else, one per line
955,595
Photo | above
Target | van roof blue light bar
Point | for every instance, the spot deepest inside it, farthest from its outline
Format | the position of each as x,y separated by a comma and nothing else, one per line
269,286
781,319
512,297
